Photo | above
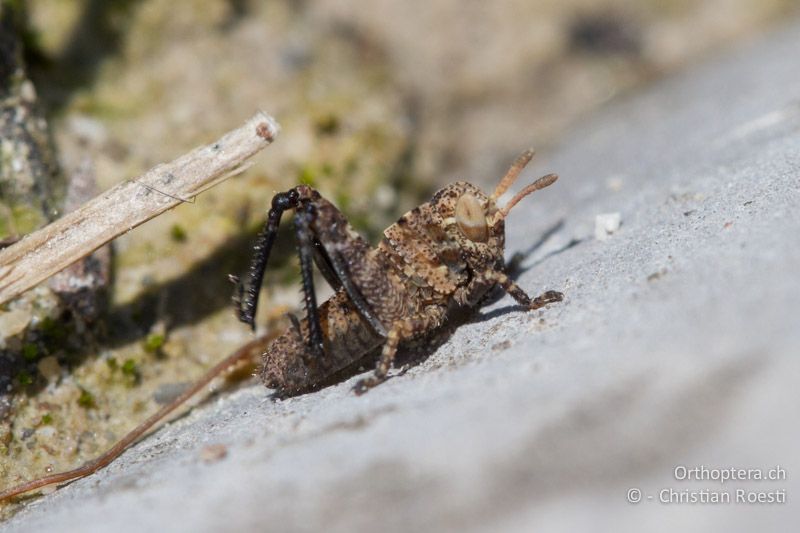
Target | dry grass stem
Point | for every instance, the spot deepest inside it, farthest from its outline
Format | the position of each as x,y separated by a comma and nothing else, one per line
44,252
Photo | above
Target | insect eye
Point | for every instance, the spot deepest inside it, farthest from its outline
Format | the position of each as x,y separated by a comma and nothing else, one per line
471,218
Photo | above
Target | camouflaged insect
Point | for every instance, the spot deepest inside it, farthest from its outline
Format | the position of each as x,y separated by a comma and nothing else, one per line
443,255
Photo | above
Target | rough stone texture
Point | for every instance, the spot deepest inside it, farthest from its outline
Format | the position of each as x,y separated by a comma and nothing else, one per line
31,186
677,345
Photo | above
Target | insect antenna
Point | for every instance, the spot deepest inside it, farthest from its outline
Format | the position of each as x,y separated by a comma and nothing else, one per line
512,174
541,183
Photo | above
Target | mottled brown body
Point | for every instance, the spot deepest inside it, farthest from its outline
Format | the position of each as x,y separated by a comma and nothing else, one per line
287,364
445,254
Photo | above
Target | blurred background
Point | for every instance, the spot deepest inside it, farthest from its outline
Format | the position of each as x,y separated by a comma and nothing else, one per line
379,106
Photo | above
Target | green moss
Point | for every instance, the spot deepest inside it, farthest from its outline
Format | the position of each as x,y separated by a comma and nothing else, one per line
129,368
53,331
27,219
154,342
86,399
47,419
307,176
30,351
24,378
177,233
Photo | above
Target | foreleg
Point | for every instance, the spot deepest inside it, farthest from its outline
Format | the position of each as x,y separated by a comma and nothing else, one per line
493,277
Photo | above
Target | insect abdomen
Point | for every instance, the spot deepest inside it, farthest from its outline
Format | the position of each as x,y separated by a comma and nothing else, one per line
288,364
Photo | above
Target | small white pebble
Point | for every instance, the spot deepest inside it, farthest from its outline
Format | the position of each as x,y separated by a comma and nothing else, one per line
88,129
606,225
384,197
46,432
27,91
14,322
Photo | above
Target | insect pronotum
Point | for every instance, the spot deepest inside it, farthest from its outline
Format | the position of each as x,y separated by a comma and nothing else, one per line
444,255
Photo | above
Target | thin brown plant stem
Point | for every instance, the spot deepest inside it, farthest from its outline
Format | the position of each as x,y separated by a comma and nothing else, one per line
249,350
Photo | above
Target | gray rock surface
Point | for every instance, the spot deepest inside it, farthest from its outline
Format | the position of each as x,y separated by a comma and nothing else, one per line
678,344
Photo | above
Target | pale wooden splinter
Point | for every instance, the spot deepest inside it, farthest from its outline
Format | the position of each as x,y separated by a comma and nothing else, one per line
44,252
